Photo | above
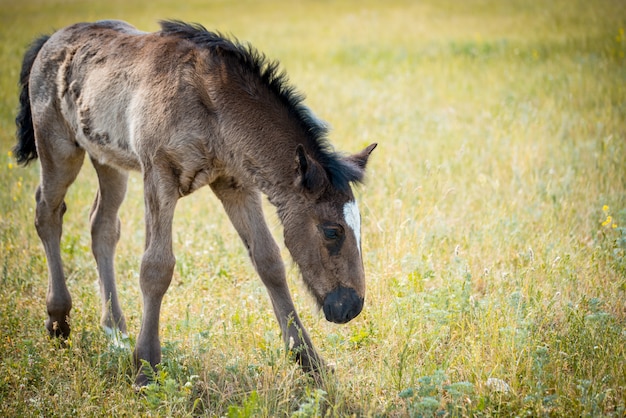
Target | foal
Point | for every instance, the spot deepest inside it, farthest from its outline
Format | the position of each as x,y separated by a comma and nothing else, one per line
187,108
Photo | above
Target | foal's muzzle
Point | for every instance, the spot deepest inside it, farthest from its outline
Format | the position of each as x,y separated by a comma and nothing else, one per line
342,305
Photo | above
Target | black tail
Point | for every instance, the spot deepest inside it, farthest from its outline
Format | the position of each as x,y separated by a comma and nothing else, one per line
25,149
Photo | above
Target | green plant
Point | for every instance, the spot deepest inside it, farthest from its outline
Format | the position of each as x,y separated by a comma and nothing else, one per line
435,395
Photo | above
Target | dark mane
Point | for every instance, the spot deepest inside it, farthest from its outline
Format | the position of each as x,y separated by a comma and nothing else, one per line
340,172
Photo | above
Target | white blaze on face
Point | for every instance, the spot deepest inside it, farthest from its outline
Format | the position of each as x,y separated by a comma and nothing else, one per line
353,219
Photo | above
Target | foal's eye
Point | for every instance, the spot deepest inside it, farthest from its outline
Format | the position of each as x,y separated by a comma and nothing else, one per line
332,231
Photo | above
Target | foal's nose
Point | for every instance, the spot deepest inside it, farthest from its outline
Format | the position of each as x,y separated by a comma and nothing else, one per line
342,305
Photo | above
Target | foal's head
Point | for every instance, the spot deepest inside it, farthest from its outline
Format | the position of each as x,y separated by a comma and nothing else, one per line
323,233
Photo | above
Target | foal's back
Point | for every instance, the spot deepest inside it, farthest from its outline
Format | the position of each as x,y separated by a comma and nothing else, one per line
121,94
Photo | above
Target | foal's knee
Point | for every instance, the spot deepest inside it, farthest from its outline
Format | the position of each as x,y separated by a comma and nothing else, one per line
104,235
59,307
156,273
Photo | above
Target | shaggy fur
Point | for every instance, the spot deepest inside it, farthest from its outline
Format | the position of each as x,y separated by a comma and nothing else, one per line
187,108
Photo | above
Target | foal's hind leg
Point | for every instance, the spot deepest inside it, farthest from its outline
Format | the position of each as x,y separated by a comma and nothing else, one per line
246,213
105,233
60,164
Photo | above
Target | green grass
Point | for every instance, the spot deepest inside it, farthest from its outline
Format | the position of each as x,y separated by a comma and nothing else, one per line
502,153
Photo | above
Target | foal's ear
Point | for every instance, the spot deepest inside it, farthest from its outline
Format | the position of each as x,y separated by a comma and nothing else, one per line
360,158
309,174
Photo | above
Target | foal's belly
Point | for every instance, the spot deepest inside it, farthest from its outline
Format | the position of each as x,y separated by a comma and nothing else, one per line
111,155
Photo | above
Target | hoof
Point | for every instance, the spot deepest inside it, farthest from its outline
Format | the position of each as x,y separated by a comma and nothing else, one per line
58,329
146,373
140,383
142,380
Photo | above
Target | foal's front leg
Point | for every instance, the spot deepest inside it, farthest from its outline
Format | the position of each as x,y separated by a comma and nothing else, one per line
157,265
246,213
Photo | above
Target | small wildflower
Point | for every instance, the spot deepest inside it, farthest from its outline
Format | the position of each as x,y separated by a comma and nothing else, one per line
608,221
605,208
10,154
498,385
614,226
10,166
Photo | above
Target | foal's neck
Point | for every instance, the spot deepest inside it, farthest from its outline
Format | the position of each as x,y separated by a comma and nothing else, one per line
262,135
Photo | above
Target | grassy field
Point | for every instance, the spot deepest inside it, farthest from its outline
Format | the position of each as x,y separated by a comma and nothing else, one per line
494,222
